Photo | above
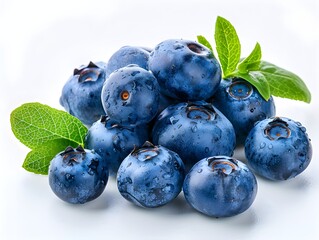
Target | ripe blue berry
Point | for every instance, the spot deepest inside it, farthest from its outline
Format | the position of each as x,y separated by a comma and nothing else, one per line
185,70
220,187
128,55
81,94
243,106
78,175
278,148
114,142
194,130
130,96
151,176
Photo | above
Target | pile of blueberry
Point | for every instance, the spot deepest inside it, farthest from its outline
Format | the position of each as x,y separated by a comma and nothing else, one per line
162,121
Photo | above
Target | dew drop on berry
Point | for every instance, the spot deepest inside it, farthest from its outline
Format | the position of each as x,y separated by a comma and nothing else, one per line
194,128
262,145
173,120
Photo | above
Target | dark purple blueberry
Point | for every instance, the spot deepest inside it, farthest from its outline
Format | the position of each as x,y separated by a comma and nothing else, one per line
220,186
151,176
81,94
278,148
185,70
77,175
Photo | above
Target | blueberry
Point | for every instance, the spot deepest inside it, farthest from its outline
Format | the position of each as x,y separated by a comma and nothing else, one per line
278,148
81,94
78,175
130,96
194,130
243,106
114,142
151,176
185,70
220,186
128,55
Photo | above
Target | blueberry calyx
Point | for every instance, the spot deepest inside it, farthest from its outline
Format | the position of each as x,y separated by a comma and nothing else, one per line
91,64
69,154
277,129
223,165
196,48
125,95
146,152
203,112
239,89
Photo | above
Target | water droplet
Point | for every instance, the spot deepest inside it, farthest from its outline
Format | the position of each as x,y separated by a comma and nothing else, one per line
303,129
262,145
69,177
179,126
173,120
270,146
298,124
194,128
199,170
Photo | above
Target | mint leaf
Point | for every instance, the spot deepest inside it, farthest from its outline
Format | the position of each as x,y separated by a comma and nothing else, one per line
38,160
251,62
202,40
35,124
47,131
283,83
227,46
258,80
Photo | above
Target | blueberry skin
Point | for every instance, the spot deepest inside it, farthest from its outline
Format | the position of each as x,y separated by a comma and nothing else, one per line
130,96
127,55
185,69
81,94
114,142
278,148
194,130
243,106
78,175
220,186
151,176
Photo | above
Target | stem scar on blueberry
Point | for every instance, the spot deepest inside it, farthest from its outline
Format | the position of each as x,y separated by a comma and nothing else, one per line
194,112
221,165
195,48
276,129
125,95
240,90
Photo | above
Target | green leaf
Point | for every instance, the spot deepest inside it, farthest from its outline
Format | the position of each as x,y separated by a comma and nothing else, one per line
283,83
251,62
35,124
227,46
258,80
202,40
38,160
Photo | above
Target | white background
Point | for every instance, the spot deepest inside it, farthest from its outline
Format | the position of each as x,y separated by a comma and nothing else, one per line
42,42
